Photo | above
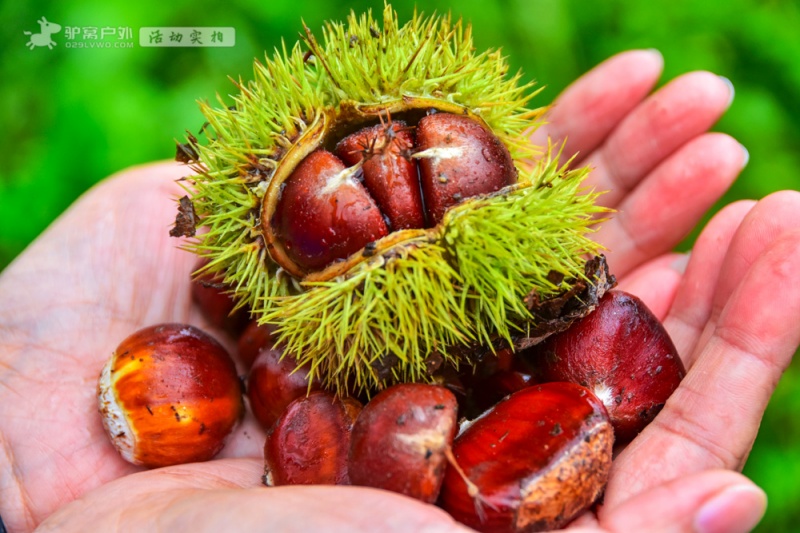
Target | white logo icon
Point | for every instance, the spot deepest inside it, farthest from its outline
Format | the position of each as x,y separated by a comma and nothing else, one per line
46,29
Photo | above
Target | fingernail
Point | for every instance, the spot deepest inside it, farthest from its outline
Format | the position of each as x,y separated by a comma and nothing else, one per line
737,509
731,89
679,264
656,52
746,155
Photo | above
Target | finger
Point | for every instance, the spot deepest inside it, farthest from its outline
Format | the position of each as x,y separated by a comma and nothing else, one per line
592,106
711,501
712,418
677,113
694,297
668,204
188,499
772,216
656,282
311,508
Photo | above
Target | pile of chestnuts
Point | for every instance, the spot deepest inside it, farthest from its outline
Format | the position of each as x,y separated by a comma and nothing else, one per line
517,440
535,452
439,333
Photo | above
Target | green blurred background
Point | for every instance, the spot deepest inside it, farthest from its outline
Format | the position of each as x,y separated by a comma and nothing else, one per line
71,117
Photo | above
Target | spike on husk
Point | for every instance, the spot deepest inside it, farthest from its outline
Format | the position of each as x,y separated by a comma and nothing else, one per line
378,316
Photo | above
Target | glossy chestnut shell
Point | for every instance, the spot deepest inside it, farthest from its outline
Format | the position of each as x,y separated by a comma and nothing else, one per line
623,354
537,459
169,395
400,439
357,177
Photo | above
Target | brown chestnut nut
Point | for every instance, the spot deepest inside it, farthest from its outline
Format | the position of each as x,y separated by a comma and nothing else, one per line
309,443
458,158
623,354
253,340
494,388
217,306
169,395
401,438
383,178
325,213
274,382
389,173
531,463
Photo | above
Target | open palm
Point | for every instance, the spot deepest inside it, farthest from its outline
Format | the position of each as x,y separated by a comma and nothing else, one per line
107,267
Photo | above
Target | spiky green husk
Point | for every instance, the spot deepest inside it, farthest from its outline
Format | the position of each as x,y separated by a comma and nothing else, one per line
462,282
465,283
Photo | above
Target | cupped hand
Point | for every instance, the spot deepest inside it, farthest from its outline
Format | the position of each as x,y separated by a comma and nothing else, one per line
108,267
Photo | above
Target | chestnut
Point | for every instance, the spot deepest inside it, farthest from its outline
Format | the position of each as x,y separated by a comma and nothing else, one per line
401,439
494,388
389,173
623,354
458,158
211,296
310,441
253,340
169,395
531,463
325,213
274,382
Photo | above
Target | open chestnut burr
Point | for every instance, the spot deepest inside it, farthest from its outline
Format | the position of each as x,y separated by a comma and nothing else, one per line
378,201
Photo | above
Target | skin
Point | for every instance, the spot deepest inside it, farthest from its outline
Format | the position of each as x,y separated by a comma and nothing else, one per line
107,267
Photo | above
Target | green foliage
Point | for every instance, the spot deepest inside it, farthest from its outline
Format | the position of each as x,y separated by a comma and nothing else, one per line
72,117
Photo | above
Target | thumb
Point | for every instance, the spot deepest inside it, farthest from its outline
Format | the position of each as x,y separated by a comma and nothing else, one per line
226,495
715,501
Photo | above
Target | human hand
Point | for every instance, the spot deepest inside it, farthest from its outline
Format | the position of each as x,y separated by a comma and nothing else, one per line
107,267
